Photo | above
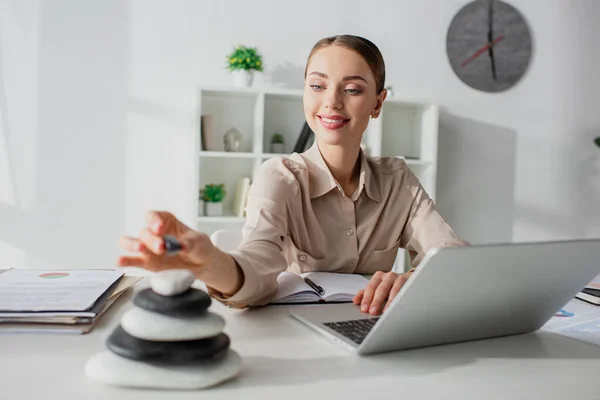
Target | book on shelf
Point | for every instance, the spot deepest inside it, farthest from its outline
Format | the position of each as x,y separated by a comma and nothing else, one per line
66,301
591,292
207,133
240,199
318,287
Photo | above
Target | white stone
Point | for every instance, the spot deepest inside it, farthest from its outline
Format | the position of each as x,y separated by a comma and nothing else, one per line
108,368
172,282
144,324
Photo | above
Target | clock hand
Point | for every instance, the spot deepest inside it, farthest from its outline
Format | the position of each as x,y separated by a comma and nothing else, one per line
490,36
482,50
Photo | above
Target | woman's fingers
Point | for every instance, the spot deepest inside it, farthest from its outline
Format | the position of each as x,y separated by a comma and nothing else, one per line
157,220
358,297
153,242
131,261
382,292
400,281
370,291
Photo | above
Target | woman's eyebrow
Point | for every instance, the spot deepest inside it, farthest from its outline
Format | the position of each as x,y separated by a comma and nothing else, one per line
346,78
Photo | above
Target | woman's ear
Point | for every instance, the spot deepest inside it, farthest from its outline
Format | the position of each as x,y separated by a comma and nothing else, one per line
380,98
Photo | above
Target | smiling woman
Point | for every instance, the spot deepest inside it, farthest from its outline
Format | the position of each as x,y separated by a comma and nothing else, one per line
331,208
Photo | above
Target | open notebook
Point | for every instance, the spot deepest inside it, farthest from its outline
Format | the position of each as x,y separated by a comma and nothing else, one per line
312,287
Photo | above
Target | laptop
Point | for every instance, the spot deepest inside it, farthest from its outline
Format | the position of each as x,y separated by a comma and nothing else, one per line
465,293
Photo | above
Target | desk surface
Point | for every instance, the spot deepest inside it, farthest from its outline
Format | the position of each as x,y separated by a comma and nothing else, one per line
282,358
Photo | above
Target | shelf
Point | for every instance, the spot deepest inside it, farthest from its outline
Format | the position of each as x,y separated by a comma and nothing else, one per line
406,129
222,219
225,154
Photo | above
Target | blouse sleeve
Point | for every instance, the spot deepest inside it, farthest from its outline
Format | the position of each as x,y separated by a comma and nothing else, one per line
425,228
260,255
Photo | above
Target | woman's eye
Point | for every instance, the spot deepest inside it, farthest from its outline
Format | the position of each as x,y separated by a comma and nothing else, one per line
353,91
317,88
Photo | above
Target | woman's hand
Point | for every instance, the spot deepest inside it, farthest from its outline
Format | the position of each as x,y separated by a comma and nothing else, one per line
197,249
380,291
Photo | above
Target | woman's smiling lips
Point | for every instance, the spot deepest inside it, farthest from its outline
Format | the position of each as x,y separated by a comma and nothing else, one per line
332,122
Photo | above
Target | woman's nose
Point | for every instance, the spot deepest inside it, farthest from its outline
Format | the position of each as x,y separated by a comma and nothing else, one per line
333,101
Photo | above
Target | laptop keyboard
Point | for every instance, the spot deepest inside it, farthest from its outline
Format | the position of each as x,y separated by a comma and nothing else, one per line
355,329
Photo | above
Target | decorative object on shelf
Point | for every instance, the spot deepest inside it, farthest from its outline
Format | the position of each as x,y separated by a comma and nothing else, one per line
207,133
277,143
232,140
597,141
242,62
167,340
213,199
303,139
489,45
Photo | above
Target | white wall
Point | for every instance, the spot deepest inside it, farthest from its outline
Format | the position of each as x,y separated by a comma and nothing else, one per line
97,113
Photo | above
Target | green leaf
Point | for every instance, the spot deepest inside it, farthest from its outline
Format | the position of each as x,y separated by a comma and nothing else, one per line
243,57
213,193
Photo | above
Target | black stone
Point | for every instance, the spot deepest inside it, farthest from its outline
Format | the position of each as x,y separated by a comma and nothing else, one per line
168,353
191,303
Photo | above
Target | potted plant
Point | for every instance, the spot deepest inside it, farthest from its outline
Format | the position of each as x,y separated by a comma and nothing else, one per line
242,62
597,141
213,199
277,143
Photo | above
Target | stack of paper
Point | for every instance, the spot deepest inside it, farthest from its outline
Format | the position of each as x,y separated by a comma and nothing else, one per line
69,301
577,320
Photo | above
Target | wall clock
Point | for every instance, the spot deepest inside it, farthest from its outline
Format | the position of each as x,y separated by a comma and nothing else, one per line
489,45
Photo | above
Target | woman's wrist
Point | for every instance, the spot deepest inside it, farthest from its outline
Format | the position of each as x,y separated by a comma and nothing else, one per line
221,273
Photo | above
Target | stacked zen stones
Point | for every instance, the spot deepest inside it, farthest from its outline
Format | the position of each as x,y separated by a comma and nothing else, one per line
168,340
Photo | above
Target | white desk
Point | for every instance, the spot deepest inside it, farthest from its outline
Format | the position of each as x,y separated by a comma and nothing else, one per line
283,359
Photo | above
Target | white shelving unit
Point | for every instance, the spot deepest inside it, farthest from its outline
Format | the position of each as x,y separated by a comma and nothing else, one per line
404,129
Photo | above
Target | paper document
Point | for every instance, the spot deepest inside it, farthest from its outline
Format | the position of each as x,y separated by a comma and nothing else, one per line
45,290
578,320
594,284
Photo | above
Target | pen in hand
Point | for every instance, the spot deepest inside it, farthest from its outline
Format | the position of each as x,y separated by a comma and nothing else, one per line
172,245
316,287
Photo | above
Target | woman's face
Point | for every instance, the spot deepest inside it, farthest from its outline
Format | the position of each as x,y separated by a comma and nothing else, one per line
340,96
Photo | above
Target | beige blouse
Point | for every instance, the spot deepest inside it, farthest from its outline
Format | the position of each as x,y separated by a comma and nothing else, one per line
299,220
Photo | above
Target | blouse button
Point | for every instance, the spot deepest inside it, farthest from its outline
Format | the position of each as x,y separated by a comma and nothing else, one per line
349,231
302,257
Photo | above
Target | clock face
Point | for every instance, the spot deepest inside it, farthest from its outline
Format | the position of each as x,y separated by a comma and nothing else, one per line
489,45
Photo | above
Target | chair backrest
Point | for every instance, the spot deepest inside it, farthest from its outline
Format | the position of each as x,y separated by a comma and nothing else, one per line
226,239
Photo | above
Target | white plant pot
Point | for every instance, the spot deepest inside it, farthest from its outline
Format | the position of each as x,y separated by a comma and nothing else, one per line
277,148
213,209
242,77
